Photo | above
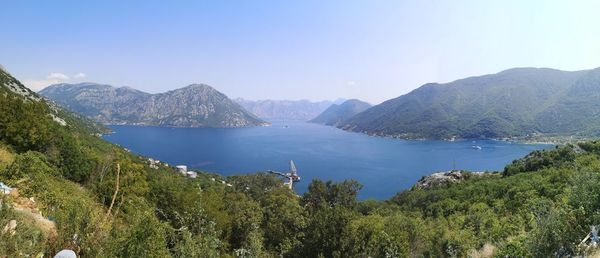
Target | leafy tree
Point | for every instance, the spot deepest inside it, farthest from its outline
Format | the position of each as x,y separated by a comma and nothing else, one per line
331,194
284,222
245,225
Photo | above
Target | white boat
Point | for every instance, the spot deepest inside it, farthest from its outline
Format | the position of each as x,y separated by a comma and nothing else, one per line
477,147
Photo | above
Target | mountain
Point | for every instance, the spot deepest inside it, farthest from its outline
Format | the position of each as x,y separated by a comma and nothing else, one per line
337,114
518,102
296,110
196,105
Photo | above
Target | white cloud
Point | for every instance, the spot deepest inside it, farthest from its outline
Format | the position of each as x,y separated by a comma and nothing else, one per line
52,78
79,75
58,76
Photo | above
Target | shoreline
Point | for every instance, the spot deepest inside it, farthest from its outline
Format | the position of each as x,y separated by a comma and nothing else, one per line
533,140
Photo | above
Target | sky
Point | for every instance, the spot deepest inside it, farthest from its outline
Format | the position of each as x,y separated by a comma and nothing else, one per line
305,49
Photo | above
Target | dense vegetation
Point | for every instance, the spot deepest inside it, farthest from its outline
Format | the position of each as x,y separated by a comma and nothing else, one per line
107,202
520,102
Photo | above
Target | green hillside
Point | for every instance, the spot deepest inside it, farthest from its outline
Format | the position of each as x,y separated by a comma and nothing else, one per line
518,102
101,201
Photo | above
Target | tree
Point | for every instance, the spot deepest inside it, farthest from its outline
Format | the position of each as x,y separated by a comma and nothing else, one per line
246,220
284,221
332,194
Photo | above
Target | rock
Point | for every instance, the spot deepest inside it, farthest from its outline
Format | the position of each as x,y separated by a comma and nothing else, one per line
10,227
440,178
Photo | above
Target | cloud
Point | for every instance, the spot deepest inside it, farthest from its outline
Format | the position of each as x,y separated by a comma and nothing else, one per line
79,75
58,76
52,78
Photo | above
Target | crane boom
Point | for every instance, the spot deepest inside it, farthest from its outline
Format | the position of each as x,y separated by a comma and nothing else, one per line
293,168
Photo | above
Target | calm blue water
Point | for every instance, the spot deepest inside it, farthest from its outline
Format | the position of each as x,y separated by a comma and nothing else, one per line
384,166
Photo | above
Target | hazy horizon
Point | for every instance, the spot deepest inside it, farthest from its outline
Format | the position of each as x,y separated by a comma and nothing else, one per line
312,50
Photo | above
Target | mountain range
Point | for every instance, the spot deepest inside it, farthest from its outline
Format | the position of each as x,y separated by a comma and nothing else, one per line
337,114
197,105
294,110
518,102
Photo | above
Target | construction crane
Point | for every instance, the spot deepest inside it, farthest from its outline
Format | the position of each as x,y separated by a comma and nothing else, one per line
290,177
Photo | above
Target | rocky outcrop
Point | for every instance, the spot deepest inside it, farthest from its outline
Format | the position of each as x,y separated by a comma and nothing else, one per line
440,178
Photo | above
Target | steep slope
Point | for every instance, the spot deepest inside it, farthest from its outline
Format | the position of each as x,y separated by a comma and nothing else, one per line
296,110
515,102
338,114
9,84
197,105
577,111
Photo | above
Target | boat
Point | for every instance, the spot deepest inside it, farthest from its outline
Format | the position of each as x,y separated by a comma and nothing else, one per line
477,147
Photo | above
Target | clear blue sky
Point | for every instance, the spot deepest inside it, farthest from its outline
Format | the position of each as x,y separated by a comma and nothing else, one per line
372,50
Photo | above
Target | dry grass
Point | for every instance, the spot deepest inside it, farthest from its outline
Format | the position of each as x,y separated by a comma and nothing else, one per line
592,252
488,250
28,208
6,158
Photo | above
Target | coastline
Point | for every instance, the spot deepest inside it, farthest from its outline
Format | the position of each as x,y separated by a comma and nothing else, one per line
535,139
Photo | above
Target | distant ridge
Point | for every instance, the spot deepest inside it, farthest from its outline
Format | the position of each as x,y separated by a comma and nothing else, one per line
197,105
518,102
295,110
337,114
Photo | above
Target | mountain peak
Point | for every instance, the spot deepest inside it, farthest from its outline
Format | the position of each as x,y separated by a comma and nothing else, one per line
201,86
354,102
196,88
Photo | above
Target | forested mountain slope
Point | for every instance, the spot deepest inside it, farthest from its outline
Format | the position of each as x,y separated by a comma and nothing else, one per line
516,102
